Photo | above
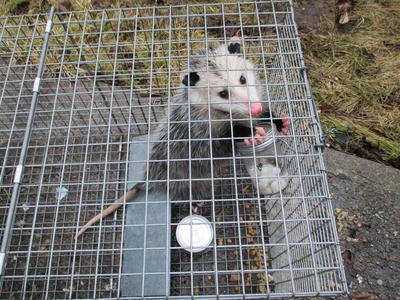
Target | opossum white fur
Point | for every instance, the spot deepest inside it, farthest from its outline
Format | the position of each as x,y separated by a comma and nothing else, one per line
221,84
271,179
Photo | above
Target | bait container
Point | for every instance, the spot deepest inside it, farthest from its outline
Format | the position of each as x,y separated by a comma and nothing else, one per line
194,233
264,164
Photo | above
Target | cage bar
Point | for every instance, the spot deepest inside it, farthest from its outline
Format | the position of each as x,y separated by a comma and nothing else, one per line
76,139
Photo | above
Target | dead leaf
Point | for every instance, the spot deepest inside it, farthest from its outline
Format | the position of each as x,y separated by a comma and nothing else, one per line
364,296
253,252
262,288
380,130
328,108
344,18
64,5
348,263
344,7
235,277
351,240
246,189
347,256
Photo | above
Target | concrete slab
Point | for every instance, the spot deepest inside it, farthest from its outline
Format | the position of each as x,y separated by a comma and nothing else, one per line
366,196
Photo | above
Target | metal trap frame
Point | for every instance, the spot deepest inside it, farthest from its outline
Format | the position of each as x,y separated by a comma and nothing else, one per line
80,90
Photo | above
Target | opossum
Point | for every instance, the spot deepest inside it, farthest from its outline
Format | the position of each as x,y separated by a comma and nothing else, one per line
204,95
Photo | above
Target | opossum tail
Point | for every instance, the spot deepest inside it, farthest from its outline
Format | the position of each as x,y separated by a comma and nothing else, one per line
109,210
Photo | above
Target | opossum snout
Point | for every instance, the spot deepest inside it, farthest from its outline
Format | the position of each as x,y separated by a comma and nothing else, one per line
256,109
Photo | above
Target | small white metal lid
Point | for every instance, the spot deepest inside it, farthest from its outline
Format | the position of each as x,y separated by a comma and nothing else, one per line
194,233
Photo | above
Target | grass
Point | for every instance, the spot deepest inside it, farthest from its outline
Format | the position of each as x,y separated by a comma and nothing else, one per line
8,7
355,79
354,72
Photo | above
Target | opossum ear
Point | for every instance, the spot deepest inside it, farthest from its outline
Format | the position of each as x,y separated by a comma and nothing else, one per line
191,79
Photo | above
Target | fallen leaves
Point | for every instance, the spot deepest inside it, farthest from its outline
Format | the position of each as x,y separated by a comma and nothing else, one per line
253,252
348,262
252,229
235,277
344,18
351,240
364,296
64,5
328,108
344,7
347,225
347,256
246,189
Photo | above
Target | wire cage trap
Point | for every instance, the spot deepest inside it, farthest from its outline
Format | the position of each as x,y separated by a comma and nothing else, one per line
80,96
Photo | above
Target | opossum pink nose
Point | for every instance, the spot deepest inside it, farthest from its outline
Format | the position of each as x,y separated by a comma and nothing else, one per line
256,109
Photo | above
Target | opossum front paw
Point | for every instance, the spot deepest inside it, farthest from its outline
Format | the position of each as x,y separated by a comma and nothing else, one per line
285,125
257,139
260,132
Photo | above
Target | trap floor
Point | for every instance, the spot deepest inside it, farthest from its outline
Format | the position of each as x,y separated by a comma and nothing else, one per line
145,260
153,264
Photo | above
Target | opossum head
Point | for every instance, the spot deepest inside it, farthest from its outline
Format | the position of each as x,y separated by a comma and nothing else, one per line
226,81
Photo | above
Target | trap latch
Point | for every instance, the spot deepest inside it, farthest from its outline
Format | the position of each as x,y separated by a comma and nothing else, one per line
324,138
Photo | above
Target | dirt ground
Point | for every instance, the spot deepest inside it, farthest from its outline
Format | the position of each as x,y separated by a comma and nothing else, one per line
310,14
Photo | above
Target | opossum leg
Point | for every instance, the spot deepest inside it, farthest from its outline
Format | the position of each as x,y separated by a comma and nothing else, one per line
109,210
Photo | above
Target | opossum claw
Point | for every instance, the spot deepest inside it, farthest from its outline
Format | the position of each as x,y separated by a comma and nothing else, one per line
285,125
260,132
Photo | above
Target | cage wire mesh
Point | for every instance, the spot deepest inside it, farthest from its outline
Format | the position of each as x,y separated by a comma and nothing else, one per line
108,76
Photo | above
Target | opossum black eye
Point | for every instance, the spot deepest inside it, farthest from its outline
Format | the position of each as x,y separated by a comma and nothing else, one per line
242,80
224,94
191,80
